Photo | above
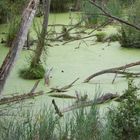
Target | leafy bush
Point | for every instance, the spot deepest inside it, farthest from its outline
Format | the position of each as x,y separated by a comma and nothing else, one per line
125,119
130,36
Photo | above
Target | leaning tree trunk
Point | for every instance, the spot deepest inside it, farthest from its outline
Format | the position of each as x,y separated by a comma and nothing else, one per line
17,45
41,39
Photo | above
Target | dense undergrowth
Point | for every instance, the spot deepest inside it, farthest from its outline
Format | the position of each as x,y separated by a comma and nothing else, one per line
121,122
36,72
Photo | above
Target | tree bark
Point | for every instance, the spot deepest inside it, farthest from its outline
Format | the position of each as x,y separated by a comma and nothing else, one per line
41,39
18,43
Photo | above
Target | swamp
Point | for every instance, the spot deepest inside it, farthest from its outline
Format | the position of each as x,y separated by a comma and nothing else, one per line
69,70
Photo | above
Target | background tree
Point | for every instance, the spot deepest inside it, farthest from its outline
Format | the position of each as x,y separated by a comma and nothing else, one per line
36,70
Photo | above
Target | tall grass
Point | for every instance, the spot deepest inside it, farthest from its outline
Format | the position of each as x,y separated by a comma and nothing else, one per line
121,122
12,32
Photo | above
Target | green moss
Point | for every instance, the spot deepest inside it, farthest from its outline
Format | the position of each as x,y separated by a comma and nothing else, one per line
36,72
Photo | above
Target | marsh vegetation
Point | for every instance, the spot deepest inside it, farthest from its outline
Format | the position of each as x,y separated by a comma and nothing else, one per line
69,70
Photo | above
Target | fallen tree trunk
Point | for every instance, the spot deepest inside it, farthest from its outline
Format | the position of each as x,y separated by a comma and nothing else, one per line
19,98
80,104
114,70
18,42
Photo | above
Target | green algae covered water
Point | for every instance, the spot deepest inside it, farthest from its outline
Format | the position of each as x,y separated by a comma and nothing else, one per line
73,60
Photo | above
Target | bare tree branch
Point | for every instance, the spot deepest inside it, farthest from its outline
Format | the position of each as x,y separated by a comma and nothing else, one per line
114,70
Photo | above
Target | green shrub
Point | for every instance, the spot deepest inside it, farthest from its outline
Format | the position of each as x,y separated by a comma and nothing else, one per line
4,11
130,36
36,72
10,8
125,119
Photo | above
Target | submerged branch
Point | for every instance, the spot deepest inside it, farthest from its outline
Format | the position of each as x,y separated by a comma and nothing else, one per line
19,98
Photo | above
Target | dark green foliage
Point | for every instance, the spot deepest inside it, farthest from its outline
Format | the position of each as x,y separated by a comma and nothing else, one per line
114,37
125,119
100,36
4,11
10,8
131,37
36,72
58,6
95,17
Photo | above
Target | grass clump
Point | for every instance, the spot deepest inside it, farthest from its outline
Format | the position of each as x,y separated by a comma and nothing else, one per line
86,125
12,32
36,72
29,127
125,119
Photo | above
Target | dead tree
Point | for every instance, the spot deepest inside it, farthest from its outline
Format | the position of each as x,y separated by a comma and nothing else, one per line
18,43
41,39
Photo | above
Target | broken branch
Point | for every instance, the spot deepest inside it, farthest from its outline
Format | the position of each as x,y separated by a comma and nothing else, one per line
63,89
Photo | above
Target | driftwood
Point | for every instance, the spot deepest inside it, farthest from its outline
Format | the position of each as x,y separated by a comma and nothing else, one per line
64,96
63,89
19,98
103,99
112,16
118,70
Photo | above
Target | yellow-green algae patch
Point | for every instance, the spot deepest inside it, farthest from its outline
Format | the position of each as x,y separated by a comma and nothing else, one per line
70,62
